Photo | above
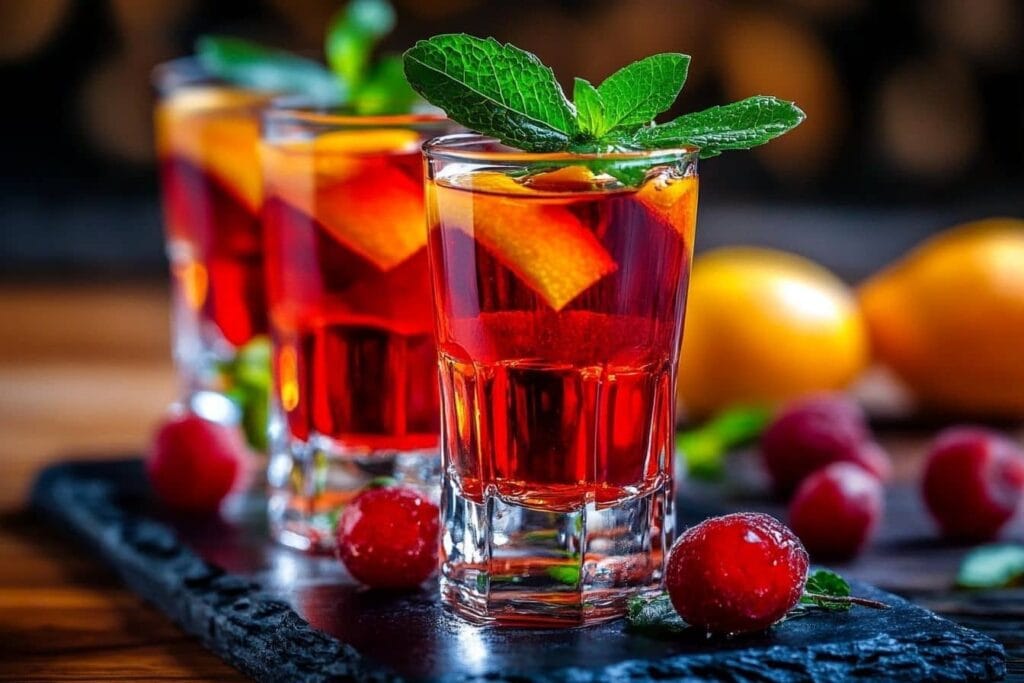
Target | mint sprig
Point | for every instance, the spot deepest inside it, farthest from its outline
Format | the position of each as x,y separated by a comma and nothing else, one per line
998,565
496,89
353,79
825,591
508,93
704,448
251,65
740,125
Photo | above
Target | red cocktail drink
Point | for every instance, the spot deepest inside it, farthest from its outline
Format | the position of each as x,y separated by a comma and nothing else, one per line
560,294
207,139
351,322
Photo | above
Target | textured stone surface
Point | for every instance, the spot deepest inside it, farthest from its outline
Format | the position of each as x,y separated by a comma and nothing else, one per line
257,617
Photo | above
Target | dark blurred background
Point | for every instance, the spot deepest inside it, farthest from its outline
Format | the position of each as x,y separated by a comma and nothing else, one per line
915,111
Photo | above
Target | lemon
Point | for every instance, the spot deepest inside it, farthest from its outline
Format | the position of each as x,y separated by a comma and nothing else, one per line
765,326
948,319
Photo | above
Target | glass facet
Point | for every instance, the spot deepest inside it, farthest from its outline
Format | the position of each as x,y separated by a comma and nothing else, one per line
559,297
354,360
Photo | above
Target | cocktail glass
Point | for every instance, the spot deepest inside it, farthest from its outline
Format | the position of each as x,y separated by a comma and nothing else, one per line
559,299
207,140
354,361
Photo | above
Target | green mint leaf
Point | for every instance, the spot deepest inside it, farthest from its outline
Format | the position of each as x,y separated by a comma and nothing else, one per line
589,108
565,574
385,90
352,35
704,448
637,93
992,566
823,584
248,377
498,90
250,65
740,125
654,614
382,482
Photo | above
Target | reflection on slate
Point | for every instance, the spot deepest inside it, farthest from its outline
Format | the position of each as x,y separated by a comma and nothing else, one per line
236,592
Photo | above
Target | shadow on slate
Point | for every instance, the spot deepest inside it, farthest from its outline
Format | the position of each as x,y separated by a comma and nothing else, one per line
242,604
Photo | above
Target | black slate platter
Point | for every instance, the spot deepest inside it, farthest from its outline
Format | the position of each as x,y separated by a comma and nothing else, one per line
280,616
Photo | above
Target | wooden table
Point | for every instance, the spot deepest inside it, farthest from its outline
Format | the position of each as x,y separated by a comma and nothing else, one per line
85,371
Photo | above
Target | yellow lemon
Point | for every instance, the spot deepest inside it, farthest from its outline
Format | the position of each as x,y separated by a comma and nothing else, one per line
765,326
949,318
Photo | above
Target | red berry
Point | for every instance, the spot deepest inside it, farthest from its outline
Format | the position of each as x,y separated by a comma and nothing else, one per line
193,463
836,510
973,482
817,431
388,537
738,573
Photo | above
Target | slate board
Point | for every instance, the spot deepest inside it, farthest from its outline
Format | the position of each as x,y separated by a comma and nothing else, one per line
280,616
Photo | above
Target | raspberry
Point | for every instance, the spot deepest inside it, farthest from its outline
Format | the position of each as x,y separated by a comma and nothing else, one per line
973,482
738,573
388,537
817,431
193,463
836,510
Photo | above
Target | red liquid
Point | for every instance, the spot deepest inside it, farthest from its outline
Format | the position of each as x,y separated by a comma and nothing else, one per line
559,391
207,140
352,329
219,259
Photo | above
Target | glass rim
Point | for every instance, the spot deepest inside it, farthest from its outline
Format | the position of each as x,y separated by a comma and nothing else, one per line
180,72
299,109
457,147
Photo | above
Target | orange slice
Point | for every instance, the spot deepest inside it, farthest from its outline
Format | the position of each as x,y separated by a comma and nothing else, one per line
294,167
217,130
565,179
674,200
377,213
537,239
345,181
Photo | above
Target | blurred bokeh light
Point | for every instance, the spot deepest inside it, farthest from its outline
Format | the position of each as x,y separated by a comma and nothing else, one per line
914,111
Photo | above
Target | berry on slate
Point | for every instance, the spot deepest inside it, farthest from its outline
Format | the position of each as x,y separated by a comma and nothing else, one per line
194,463
836,510
973,482
817,431
388,537
735,574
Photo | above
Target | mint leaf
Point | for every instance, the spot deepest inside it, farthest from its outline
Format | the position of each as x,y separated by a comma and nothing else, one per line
589,108
823,584
654,614
248,379
828,591
992,566
498,90
637,93
352,34
565,574
740,125
250,65
385,90
704,448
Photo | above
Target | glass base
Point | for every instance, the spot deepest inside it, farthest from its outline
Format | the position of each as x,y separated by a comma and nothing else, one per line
508,564
311,482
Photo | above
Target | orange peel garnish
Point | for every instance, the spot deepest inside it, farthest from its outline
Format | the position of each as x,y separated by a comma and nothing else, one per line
538,239
217,130
674,200
344,180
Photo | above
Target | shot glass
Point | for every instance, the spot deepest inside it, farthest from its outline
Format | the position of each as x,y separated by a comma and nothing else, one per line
207,140
354,361
559,285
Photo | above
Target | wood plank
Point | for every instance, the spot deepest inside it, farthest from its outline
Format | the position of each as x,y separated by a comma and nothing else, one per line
84,369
